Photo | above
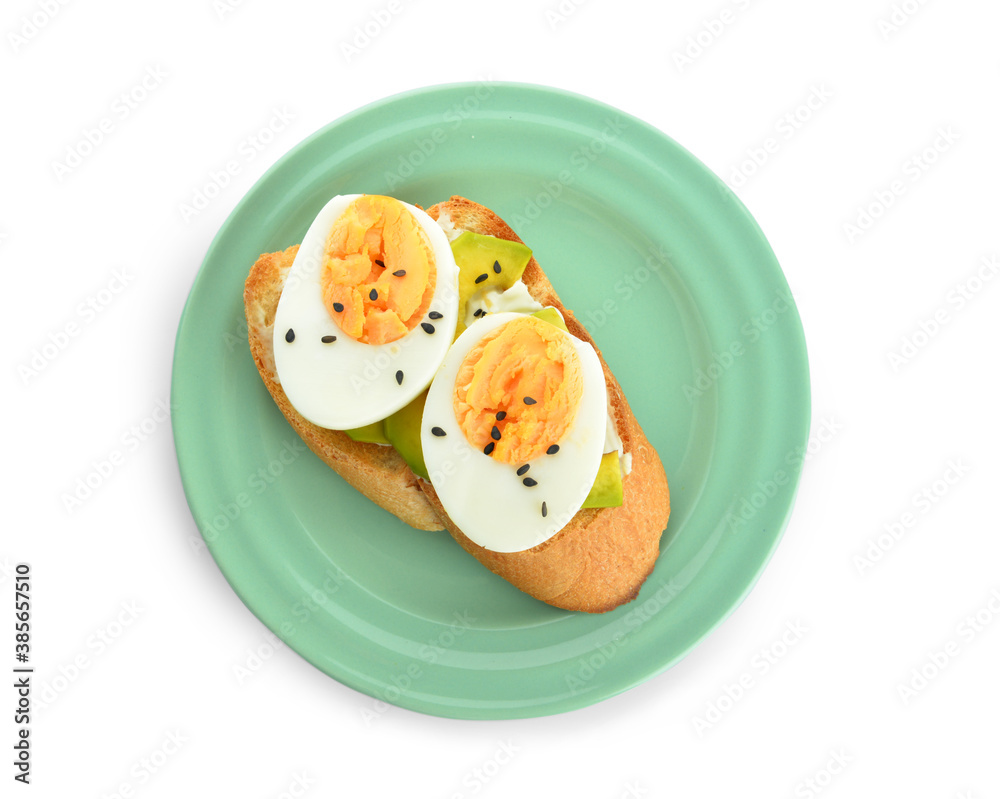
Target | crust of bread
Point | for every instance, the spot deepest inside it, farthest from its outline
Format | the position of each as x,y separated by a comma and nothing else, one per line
602,557
596,562
378,472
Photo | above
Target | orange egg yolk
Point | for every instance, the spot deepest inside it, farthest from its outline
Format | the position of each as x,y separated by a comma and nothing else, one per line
378,270
518,390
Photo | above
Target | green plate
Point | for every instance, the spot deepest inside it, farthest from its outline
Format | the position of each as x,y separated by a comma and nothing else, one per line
686,300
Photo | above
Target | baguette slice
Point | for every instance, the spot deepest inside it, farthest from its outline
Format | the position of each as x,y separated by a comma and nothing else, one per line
595,563
378,472
601,558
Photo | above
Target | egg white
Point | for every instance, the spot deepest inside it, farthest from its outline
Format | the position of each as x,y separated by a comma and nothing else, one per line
346,383
487,499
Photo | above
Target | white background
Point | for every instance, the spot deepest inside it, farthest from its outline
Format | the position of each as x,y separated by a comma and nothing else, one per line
904,96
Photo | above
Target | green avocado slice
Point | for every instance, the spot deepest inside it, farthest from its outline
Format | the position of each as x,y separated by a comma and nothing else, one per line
552,316
373,433
402,429
485,262
607,491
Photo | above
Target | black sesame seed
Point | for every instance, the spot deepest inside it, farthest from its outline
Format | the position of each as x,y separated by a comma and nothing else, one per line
399,272
290,336
380,263
435,315
438,432
328,339
427,326
482,277
529,401
399,377
552,450
523,469
501,415
488,449
545,510
338,307
496,267
479,312
495,433
529,482
373,295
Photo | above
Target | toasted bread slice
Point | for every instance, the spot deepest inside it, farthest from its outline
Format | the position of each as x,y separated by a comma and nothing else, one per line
595,563
377,471
602,557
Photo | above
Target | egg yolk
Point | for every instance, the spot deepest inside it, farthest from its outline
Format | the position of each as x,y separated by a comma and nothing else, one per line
378,270
518,390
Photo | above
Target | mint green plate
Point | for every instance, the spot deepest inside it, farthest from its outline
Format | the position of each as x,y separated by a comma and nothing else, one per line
686,300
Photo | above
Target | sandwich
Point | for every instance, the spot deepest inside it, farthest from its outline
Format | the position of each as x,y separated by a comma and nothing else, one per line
425,357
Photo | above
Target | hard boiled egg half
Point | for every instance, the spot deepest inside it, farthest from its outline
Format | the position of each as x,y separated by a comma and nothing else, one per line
514,429
367,312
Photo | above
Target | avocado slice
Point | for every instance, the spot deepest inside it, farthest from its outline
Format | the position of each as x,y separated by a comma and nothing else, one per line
485,262
552,316
607,491
373,433
402,429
